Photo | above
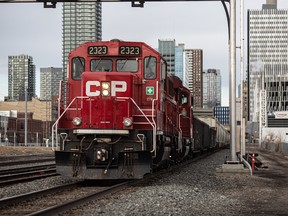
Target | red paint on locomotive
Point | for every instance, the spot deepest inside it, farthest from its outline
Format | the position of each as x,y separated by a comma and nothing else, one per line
123,112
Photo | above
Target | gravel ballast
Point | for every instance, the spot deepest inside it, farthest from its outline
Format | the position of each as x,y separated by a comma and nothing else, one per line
196,189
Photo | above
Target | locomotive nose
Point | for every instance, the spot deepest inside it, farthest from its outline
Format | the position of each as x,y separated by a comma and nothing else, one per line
109,100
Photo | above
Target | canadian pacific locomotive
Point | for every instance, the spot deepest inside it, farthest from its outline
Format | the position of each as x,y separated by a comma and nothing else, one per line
122,115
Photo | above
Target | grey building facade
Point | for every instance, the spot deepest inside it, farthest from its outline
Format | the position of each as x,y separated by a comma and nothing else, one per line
49,82
21,77
267,61
211,88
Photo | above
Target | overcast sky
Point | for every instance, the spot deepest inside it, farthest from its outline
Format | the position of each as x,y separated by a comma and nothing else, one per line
36,31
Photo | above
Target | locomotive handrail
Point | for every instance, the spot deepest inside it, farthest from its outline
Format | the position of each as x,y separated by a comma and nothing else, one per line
180,133
153,123
154,129
59,98
55,125
125,98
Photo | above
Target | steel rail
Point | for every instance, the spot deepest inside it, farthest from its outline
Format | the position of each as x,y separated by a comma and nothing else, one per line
27,196
82,200
25,169
27,176
21,162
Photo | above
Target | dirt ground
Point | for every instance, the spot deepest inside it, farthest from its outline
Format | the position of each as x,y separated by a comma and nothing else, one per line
20,150
266,192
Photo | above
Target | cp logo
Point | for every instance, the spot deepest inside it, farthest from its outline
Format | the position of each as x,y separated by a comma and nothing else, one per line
116,86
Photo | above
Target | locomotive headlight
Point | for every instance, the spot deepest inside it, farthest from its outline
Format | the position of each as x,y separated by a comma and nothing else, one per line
105,88
127,122
77,121
105,92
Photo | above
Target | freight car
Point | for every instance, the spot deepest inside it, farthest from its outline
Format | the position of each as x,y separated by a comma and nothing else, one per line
221,135
122,114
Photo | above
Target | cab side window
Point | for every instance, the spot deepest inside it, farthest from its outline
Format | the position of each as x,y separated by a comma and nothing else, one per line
163,70
150,64
184,98
78,66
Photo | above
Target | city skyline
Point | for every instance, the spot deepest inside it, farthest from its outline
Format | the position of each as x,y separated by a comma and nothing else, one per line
205,20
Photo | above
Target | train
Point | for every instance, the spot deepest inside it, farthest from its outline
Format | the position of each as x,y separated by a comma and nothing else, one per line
123,115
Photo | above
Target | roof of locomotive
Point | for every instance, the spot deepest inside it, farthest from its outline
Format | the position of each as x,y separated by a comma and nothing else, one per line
177,82
117,43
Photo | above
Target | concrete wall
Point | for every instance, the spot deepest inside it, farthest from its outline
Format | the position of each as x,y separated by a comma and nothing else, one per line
275,139
275,147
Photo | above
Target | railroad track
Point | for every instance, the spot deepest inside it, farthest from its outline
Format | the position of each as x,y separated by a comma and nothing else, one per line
57,199
20,160
63,198
22,174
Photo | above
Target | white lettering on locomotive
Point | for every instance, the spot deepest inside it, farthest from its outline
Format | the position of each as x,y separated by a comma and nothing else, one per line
88,88
116,86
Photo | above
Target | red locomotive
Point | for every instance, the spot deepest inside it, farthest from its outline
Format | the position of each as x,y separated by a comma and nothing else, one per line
123,115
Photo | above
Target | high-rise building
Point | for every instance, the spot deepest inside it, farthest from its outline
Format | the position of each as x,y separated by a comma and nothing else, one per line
195,70
21,77
167,50
244,98
82,22
176,59
181,64
49,82
211,88
267,61
222,114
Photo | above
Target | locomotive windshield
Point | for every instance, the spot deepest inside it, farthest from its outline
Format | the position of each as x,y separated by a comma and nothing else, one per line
130,65
104,65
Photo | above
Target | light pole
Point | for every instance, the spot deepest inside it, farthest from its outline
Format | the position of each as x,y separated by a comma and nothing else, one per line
232,79
25,116
242,117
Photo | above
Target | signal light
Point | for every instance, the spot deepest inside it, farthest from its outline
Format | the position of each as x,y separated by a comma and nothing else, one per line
105,88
